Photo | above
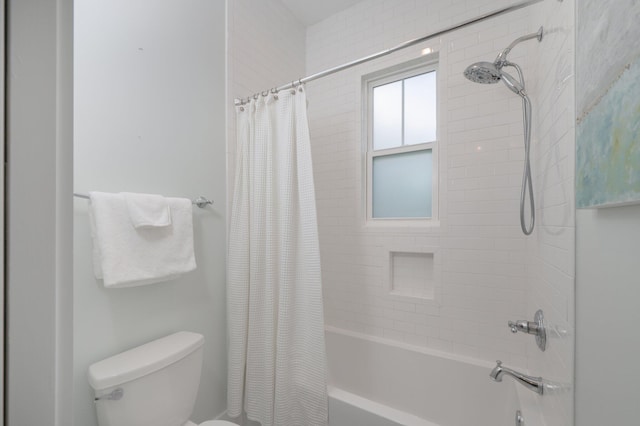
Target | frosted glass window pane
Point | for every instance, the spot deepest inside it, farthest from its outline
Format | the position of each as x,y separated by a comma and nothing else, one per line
420,109
387,115
402,185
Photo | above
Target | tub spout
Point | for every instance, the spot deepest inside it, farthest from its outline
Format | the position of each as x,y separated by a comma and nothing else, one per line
534,383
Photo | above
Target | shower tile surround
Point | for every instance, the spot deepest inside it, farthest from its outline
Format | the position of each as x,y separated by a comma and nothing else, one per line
481,251
488,272
482,277
551,270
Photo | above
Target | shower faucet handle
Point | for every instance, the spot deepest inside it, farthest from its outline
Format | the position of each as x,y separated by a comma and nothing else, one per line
535,327
521,325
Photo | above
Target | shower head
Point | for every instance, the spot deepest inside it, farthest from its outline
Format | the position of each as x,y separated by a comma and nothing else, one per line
483,73
490,73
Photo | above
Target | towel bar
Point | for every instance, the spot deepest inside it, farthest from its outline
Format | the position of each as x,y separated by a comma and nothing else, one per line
201,201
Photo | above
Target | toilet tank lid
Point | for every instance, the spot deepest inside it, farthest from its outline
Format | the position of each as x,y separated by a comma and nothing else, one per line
143,360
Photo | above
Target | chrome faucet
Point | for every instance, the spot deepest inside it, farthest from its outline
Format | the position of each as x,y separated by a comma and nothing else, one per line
533,383
535,327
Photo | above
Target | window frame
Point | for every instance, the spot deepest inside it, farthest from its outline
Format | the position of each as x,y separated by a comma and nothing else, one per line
403,71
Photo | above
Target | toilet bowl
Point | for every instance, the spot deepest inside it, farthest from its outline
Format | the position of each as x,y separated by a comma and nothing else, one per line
153,384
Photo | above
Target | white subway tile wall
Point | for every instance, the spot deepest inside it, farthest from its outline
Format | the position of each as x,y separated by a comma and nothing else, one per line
481,270
489,272
551,249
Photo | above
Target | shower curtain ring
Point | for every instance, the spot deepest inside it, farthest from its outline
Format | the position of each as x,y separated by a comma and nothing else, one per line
265,93
256,96
275,93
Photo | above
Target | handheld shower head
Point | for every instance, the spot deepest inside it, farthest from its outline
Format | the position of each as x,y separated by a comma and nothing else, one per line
483,73
491,73
513,84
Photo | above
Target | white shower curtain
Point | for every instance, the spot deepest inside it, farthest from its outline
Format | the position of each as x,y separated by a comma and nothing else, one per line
277,361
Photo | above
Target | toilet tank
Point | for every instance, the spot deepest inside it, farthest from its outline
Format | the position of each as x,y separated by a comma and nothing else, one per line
153,384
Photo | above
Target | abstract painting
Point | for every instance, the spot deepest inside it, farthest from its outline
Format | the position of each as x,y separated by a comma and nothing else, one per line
608,146
607,103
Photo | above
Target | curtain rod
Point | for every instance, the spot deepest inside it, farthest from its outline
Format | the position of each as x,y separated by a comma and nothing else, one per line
242,101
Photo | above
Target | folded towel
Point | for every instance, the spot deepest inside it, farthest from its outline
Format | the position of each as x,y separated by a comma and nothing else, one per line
148,210
125,256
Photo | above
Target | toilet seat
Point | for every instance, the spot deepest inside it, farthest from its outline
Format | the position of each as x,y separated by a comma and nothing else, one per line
217,423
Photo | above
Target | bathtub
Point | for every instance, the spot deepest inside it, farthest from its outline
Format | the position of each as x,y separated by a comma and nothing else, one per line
374,382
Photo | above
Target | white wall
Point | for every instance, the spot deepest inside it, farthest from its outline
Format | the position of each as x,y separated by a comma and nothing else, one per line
266,46
150,117
607,290
607,295
479,243
39,212
551,248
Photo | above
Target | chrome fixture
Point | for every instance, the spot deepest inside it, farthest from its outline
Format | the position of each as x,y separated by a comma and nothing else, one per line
401,46
501,60
535,327
201,201
519,418
114,395
533,383
493,72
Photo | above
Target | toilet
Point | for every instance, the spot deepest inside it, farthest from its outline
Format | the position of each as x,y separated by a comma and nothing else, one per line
155,384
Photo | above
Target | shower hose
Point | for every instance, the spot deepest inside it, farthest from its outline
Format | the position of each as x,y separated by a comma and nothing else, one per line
527,185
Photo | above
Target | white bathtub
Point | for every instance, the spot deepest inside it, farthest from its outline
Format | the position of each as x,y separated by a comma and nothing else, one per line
376,383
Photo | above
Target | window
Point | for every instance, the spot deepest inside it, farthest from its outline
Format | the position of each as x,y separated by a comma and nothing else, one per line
401,162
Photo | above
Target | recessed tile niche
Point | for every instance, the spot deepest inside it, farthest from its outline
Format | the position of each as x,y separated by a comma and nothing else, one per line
412,274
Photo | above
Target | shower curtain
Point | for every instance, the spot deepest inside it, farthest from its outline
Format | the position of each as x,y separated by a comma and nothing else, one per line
276,359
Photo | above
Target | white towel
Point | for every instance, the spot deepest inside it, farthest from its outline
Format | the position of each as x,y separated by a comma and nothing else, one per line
148,210
125,256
